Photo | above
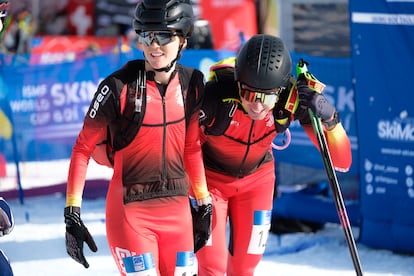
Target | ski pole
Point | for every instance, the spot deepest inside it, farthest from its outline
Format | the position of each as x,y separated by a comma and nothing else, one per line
333,182
336,192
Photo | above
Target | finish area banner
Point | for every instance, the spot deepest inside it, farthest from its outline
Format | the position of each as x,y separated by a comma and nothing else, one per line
382,35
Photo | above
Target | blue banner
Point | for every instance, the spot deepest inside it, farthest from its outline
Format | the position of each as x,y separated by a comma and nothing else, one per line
382,35
336,74
48,102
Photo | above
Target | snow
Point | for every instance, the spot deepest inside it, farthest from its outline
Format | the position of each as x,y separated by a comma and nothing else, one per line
36,246
47,173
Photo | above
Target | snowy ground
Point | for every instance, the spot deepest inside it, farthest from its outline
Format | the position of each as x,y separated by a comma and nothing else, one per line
36,247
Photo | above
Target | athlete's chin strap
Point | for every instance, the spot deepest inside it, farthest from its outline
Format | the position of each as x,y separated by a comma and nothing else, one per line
169,66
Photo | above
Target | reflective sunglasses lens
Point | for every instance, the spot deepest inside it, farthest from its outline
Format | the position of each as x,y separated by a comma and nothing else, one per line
162,38
247,95
252,96
165,38
269,99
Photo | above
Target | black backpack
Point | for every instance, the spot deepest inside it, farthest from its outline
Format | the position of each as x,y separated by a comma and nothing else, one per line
130,121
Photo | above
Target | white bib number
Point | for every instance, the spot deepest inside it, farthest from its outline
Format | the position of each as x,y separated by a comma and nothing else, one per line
185,264
260,232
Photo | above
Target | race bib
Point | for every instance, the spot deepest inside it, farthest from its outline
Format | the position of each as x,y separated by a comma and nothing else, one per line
140,265
185,264
260,232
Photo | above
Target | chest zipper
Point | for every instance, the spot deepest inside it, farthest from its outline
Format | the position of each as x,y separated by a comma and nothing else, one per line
241,174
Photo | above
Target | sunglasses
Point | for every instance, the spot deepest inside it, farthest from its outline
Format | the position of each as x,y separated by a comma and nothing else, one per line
267,97
162,37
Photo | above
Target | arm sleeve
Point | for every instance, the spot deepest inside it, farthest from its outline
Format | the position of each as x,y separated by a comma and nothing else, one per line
81,152
338,144
102,108
193,157
193,160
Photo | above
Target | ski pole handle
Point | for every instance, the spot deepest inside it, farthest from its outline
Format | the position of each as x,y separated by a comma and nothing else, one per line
301,67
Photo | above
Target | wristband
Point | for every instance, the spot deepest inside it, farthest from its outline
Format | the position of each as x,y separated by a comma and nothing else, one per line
204,201
332,122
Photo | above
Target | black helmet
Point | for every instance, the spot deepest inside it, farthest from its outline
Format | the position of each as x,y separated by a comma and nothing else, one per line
263,62
158,15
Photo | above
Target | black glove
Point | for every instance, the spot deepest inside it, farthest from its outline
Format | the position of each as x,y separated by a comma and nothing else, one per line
314,100
76,234
6,218
202,217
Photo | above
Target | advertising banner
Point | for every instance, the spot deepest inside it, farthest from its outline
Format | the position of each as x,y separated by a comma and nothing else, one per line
48,102
232,21
335,73
382,34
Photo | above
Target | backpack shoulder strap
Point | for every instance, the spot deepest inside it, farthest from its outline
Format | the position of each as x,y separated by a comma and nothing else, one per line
192,88
129,96
286,106
133,104
185,75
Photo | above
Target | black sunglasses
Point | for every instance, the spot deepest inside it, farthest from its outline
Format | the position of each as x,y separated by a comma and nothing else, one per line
161,37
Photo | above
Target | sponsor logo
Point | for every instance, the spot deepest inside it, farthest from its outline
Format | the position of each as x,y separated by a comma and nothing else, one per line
98,101
396,130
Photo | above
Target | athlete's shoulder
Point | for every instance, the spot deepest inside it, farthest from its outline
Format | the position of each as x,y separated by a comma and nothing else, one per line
129,71
190,72
223,70
188,68
221,89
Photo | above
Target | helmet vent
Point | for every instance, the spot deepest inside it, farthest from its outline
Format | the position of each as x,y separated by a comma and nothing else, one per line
263,62
174,15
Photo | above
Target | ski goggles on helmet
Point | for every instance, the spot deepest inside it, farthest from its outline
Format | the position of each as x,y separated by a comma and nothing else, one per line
267,97
161,37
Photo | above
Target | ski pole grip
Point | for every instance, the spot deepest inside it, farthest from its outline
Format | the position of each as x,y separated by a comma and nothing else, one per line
301,67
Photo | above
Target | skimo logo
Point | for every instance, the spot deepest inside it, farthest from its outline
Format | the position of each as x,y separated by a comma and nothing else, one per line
398,130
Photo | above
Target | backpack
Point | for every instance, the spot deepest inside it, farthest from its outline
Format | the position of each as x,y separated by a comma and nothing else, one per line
221,97
127,126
